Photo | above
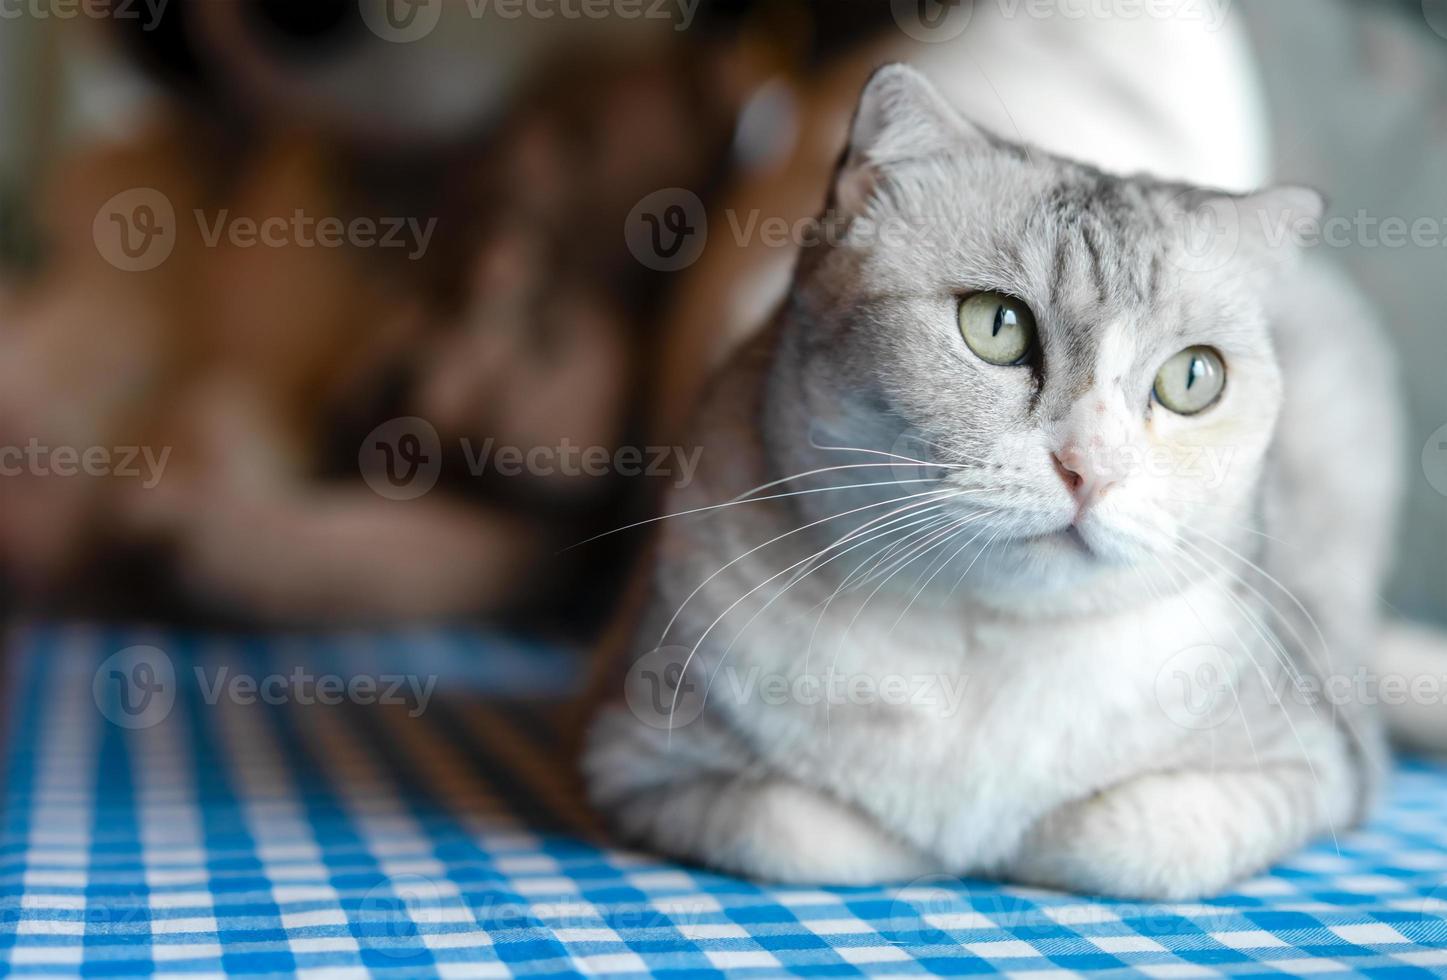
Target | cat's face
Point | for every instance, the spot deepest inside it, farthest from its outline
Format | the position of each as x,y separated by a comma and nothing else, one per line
1052,340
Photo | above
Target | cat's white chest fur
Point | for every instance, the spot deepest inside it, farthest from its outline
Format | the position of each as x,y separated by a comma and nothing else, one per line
948,721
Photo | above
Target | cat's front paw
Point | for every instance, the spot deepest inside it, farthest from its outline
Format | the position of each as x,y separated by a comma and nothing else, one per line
1095,852
1170,837
769,830
704,799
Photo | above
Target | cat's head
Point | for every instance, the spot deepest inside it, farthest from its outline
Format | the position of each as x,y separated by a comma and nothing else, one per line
1087,358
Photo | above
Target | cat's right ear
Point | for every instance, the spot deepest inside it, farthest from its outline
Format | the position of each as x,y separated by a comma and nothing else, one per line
901,117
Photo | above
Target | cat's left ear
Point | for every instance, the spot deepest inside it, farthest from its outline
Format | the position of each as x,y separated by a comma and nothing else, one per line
901,117
1280,218
1260,232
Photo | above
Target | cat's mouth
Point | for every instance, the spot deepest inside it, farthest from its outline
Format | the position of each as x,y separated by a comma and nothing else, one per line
1068,536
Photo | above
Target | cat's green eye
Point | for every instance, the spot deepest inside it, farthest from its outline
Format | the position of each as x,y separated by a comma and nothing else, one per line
998,328
1192,381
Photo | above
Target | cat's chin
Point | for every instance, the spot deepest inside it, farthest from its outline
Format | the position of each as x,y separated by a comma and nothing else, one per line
1089,543
1073,558
1070,538
1052,575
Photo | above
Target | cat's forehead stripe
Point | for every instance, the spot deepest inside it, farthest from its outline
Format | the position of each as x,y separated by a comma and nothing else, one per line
1153,283
1100,225
1079,245
1096,267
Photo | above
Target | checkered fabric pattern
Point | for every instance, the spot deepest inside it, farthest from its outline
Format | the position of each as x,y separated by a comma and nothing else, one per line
200,806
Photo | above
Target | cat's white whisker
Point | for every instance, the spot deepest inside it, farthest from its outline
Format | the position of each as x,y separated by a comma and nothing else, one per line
905,459
746,499
891,561
1321,637
823,606
1337,568
699,588
794,477
945,564
693,651
951,452
941,542
1269,636
867,573
808,570
1323,667
1184,593
970,567
844,639
1271,606
929,494
1285,712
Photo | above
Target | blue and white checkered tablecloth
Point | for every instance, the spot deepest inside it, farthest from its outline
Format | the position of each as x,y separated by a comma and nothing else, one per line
201,806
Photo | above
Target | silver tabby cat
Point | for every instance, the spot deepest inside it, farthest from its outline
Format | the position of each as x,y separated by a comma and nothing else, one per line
1054,506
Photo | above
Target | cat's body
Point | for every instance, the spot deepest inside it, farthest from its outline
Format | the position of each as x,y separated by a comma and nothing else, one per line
956,669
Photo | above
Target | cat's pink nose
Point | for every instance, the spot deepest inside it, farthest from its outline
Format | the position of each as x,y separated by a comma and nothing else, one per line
1086,482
